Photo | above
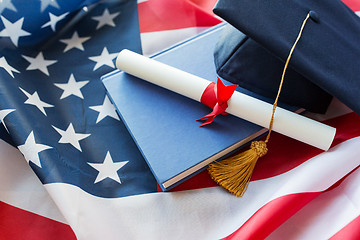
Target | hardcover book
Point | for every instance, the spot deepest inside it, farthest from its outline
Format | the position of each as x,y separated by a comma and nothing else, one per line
163,123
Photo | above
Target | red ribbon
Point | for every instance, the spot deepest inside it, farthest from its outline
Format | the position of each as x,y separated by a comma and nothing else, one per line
216,96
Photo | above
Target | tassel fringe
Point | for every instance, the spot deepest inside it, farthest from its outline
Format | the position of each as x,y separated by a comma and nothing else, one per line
234,173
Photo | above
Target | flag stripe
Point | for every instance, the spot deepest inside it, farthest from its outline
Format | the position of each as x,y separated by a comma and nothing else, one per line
350,231
159,15
16,223
206,5
340,203
282,148
353,4
272,215
152,42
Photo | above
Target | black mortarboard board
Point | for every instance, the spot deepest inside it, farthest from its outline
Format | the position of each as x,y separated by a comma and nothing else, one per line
328,53
242,61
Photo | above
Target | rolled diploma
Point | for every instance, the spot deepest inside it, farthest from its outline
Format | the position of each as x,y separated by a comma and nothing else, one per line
243,106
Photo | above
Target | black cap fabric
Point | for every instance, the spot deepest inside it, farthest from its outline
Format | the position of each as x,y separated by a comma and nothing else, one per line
242,61
328,53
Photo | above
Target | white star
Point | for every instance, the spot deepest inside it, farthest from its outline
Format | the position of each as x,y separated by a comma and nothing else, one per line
46,3
108,169
31,149
54,20
106,19
74,42
3,114
6,4
104,59
106,109
13,30
4,64
34,99
70,136
39,63
72,87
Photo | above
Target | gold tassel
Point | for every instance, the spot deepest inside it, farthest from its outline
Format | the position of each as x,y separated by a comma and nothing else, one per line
234,173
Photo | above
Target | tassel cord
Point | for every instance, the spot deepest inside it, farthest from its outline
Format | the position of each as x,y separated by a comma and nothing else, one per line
283,76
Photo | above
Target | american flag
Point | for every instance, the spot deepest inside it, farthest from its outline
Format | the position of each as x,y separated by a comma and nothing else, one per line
94,183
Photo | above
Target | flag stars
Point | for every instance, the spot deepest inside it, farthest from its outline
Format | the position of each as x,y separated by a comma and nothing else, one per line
4,64
72,87
34,99
74,42
30,149
71,137
47,3
108,169
54,20
105,58
13,30
39,63
105,19
3,114
106,109
6,4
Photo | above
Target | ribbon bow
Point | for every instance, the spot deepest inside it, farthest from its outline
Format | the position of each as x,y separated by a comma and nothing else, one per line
216,96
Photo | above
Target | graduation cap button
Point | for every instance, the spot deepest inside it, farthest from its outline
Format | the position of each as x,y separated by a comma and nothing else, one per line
314,16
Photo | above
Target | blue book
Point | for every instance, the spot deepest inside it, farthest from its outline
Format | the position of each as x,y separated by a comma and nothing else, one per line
163,123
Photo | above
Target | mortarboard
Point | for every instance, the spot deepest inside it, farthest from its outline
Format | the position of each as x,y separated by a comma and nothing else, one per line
325,51
326,60
242,61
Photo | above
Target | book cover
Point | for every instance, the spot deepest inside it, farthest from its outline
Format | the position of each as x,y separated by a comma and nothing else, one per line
162,123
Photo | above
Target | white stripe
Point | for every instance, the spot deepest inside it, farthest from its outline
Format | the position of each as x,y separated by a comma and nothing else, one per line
20,187
322,171
325,215
198,214
154,42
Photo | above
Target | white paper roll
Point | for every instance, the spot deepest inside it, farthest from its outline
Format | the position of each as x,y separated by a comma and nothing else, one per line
251,109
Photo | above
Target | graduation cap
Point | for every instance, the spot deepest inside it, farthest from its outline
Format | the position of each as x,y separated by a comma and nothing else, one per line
326,60
242,61
317,44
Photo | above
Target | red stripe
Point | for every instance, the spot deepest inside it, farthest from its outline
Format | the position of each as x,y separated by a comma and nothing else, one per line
160,15
272,215
206,5
285,153
16,223
353,4
350,231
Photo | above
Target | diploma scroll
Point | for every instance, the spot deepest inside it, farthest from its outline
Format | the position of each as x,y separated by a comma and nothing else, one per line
243,106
